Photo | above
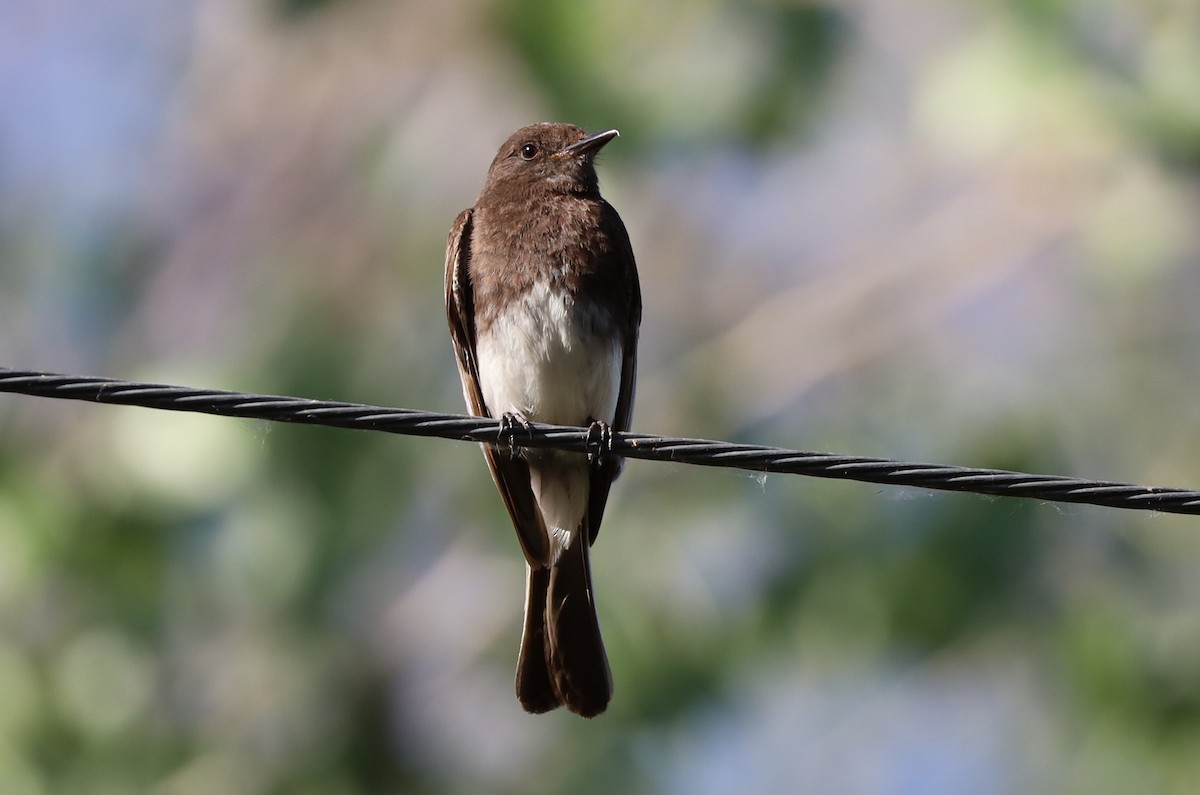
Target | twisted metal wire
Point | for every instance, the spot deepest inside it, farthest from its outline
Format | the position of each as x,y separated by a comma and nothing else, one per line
702,452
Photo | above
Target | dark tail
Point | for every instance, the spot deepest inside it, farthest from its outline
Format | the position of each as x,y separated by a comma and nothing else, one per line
534,690
562,658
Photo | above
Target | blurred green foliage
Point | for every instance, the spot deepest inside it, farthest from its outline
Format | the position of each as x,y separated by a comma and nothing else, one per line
742,73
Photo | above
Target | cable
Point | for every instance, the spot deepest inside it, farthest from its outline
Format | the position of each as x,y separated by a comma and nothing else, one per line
701,452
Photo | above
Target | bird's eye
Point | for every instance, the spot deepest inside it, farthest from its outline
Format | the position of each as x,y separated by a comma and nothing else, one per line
529,151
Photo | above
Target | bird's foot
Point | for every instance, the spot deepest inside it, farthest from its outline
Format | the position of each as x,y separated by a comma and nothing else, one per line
599,442
509,422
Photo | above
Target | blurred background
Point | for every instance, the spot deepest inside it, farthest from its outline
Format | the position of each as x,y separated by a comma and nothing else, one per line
952,232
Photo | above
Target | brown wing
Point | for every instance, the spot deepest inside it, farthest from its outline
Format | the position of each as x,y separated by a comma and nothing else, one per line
511,474
626,270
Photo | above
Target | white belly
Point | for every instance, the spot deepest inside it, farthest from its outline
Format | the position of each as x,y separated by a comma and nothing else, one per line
549,360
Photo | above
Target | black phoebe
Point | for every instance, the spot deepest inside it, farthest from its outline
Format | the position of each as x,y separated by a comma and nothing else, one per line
544,305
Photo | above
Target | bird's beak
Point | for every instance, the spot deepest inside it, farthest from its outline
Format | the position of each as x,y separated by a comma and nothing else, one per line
591,144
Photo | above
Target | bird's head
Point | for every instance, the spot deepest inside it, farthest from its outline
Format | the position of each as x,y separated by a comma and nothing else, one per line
547,158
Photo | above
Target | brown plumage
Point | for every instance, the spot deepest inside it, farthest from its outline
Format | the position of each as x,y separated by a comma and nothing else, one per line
544,306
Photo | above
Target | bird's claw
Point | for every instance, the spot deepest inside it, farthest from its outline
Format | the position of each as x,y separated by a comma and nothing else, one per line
509,422
599,442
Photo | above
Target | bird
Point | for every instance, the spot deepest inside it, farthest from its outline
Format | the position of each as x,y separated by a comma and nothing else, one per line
544,307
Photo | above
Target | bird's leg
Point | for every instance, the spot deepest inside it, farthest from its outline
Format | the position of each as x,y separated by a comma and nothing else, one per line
599,442
508,430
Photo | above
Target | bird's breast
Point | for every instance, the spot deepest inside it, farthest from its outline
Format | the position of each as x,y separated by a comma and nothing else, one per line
550,355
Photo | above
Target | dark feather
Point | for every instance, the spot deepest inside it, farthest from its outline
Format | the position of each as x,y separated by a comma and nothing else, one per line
534,689
575,657
510,473
603,476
